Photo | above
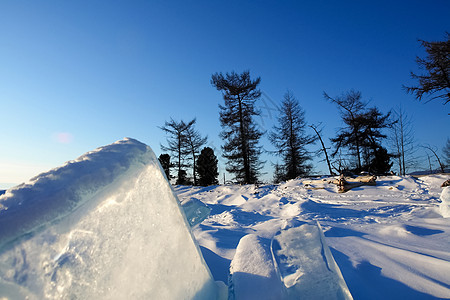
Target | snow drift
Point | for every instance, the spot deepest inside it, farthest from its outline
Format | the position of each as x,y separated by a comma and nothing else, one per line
105,226
445,202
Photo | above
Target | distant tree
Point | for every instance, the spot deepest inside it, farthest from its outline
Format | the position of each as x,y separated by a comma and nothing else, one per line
240,133
380,162
402,140
446,151
164,160
434,151
350,106
194,141
323,149
290,139
436,81
207,167
176,144
362,134
279,174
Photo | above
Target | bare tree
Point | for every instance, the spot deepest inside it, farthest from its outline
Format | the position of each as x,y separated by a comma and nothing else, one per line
433,150
402,140
324,149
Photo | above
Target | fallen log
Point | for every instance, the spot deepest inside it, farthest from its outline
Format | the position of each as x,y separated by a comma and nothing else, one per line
346,184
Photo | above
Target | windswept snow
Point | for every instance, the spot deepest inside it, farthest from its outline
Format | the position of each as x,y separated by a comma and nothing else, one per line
105,226
390,241
108,226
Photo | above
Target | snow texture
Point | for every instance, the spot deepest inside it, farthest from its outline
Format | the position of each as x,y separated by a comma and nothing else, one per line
253,272
307,266
105,226
445,202
389,241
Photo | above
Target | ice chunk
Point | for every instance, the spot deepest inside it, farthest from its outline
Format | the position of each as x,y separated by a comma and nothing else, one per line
445,202
196,211
105,226
306,264
253,274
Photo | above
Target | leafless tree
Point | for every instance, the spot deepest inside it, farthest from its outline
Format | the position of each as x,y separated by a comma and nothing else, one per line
402,140
433,150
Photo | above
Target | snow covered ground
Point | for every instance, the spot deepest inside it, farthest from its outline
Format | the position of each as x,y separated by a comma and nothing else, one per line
390,241
108,226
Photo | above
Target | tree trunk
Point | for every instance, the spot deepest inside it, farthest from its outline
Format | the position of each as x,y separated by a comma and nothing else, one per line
324,150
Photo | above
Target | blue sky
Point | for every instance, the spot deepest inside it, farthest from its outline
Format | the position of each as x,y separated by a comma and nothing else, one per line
76,75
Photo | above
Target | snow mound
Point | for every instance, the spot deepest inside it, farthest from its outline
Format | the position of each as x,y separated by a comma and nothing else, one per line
105,226
445,202
253,273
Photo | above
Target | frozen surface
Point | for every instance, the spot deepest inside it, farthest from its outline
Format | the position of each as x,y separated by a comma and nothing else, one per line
389,241
195,211
105,226
307,266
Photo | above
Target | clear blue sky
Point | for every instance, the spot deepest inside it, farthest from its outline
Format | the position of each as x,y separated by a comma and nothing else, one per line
75,75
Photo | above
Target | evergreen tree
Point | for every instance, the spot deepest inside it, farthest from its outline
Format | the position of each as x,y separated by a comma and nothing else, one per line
437,65
207,167
164,160
363,132
194,141
446,151
290,139
239,131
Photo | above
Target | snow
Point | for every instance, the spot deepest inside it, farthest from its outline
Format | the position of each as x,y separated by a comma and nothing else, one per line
253,272
105,226
307,265
388,241
108,226
445,202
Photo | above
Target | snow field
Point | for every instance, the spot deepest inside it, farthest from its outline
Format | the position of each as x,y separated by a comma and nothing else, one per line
389,241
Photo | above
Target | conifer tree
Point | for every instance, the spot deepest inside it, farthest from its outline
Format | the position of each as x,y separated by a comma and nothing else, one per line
176,144
207,167
164,160
290,139
436,81
194,141
240,133
362,134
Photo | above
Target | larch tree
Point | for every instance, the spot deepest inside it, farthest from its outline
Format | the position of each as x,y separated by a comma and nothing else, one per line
176,144
193,143
362,133
446,151
240,133
435,83
290,139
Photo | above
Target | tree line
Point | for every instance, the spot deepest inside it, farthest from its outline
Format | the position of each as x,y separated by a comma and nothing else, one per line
359,145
